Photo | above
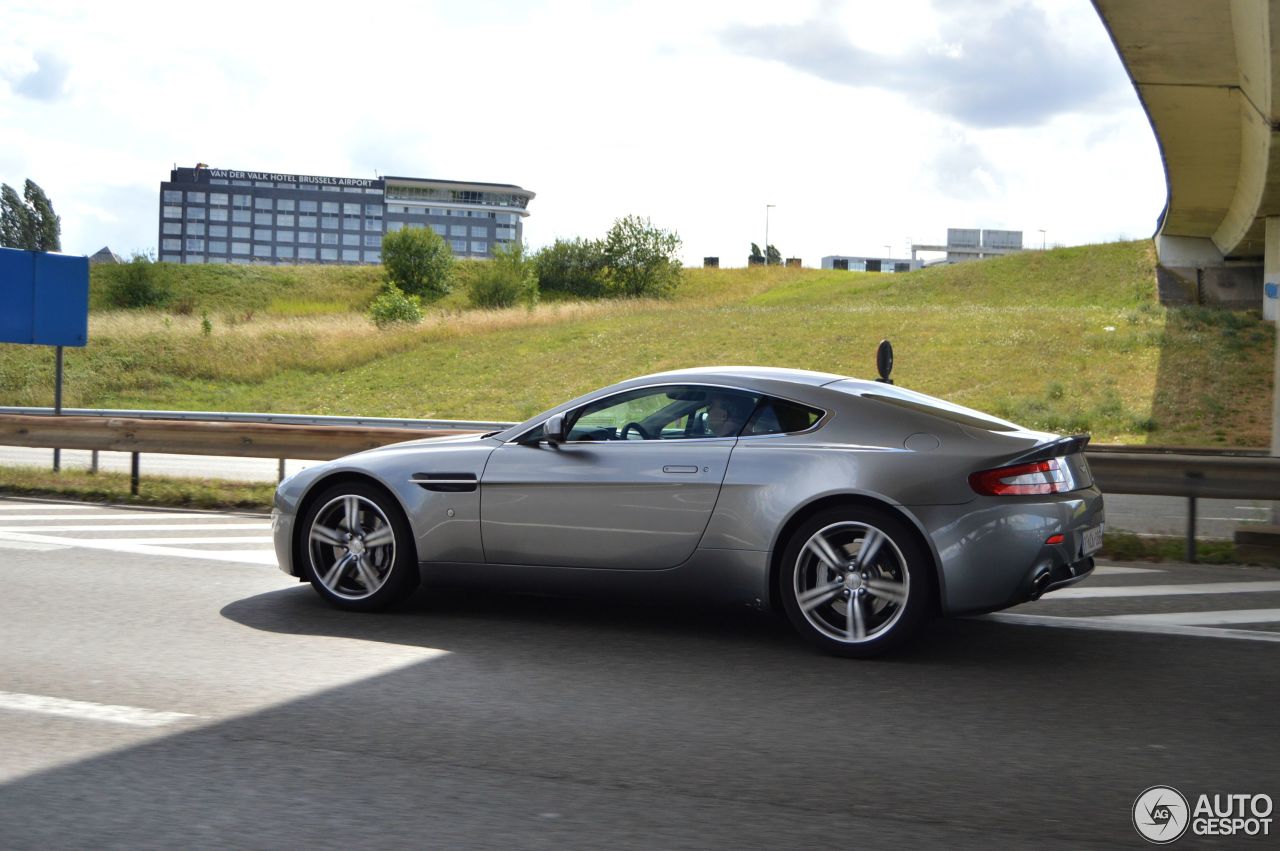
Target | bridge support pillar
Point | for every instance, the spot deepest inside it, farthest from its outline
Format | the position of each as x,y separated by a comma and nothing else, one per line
1270,303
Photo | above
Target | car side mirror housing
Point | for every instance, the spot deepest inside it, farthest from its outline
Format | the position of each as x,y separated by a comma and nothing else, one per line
553,429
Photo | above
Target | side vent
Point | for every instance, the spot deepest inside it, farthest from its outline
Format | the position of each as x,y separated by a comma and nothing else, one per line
445,482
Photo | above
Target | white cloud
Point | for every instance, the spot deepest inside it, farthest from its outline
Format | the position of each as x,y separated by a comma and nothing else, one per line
601,108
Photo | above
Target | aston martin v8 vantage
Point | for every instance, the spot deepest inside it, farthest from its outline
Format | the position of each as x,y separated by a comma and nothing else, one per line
857,508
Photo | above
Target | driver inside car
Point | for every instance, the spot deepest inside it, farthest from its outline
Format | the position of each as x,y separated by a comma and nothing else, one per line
727,414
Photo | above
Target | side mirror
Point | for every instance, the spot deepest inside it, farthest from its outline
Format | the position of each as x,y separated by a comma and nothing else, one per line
553,429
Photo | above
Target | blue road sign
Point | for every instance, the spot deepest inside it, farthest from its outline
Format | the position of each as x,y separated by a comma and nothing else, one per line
44,298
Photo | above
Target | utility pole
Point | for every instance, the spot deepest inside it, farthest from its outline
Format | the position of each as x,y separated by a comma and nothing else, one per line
767,208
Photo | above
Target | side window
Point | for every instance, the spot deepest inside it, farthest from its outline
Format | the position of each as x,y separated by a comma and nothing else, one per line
677,412
778,416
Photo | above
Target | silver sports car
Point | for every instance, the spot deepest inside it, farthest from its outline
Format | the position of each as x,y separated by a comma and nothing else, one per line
856,507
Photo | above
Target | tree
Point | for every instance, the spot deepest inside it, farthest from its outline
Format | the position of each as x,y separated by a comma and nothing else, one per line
46,225
773,257
756,258
641,258
15,220
419,262
574,267
509,278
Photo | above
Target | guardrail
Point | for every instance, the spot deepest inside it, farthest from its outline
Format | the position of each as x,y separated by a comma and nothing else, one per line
1194,473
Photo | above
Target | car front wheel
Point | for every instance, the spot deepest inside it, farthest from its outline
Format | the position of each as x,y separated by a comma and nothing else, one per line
357,548
855,581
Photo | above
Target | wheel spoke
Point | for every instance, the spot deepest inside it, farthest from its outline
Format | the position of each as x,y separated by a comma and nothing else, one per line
894,592
815,597
870,546
334,575
378,537
325,535
822,548
351,514
367,575
855,627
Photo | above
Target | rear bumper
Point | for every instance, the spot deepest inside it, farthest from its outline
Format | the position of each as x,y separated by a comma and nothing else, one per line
996,554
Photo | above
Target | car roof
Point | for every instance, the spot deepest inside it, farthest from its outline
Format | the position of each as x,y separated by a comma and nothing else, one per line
750,373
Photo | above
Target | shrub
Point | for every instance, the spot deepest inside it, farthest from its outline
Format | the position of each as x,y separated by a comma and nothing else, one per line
642,259
135,285
506,280
418,262
392,305
573,267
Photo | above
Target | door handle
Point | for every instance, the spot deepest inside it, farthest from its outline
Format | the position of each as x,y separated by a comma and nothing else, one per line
679,468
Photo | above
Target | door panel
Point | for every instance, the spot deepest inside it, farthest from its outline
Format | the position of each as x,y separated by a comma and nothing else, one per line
629,504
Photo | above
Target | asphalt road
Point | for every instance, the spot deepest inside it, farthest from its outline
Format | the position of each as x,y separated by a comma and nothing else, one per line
163,686
1147,515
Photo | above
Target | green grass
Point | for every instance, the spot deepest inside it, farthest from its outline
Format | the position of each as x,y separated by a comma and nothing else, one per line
1066,340
152,490
1126,546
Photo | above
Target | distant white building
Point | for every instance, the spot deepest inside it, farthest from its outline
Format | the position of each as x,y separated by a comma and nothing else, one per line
846,263
104,255
974,244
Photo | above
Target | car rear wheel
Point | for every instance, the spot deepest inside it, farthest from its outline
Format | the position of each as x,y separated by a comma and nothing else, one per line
855,581
357,548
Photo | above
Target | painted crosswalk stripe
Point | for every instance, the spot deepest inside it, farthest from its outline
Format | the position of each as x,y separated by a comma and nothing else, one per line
131,715
161,541
118,515
134,527
264,556
37,506
1091,592
1219,618
1116,570
1104,624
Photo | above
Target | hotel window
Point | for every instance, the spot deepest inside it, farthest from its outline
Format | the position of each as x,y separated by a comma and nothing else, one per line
306,254
262,203
173,227
170,258
307,237
195,228
173,196
284,252
351,222
217,214
195,245
396,208
329,208
217,260
171,245
480,230
262,251
262,234
328,253
241,216
307,206
218,198
173,212
241,202
371,241
350,255
195,197
239,232
195,214
479,248
373,209
373,257
328,239
351,209
330,222
392,227
218,181
457,230
218,231
308,221
284,236
239,248
217,247
505,233
266,184
193,258
440,229
351,239
285,205
459,246
284,220
262,218
328,188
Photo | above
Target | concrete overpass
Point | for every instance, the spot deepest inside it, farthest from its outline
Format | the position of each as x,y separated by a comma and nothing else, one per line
1208,74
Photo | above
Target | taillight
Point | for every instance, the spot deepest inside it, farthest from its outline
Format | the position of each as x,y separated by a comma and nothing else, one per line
1037,477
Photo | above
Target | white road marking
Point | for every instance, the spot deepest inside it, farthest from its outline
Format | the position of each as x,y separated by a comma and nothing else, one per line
37,506
105,515
83,710
1108,625
1203,618
1089,593
1114,570
267,557
134,527
161,541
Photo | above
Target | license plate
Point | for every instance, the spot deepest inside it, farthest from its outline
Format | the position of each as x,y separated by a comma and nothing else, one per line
1092,540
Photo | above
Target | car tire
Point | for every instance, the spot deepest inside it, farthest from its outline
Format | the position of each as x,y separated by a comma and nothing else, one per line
356,548
848,604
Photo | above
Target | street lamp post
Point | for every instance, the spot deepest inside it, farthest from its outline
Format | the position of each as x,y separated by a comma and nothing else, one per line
1042,239
767,208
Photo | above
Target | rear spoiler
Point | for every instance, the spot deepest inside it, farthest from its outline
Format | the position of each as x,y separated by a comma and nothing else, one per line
1054,449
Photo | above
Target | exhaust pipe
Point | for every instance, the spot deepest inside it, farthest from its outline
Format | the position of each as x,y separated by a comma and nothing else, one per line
1039,583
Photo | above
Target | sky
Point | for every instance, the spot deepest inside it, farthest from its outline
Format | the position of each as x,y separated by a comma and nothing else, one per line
867,125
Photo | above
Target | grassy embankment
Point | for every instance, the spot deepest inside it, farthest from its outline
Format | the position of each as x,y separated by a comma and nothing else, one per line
1068,340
